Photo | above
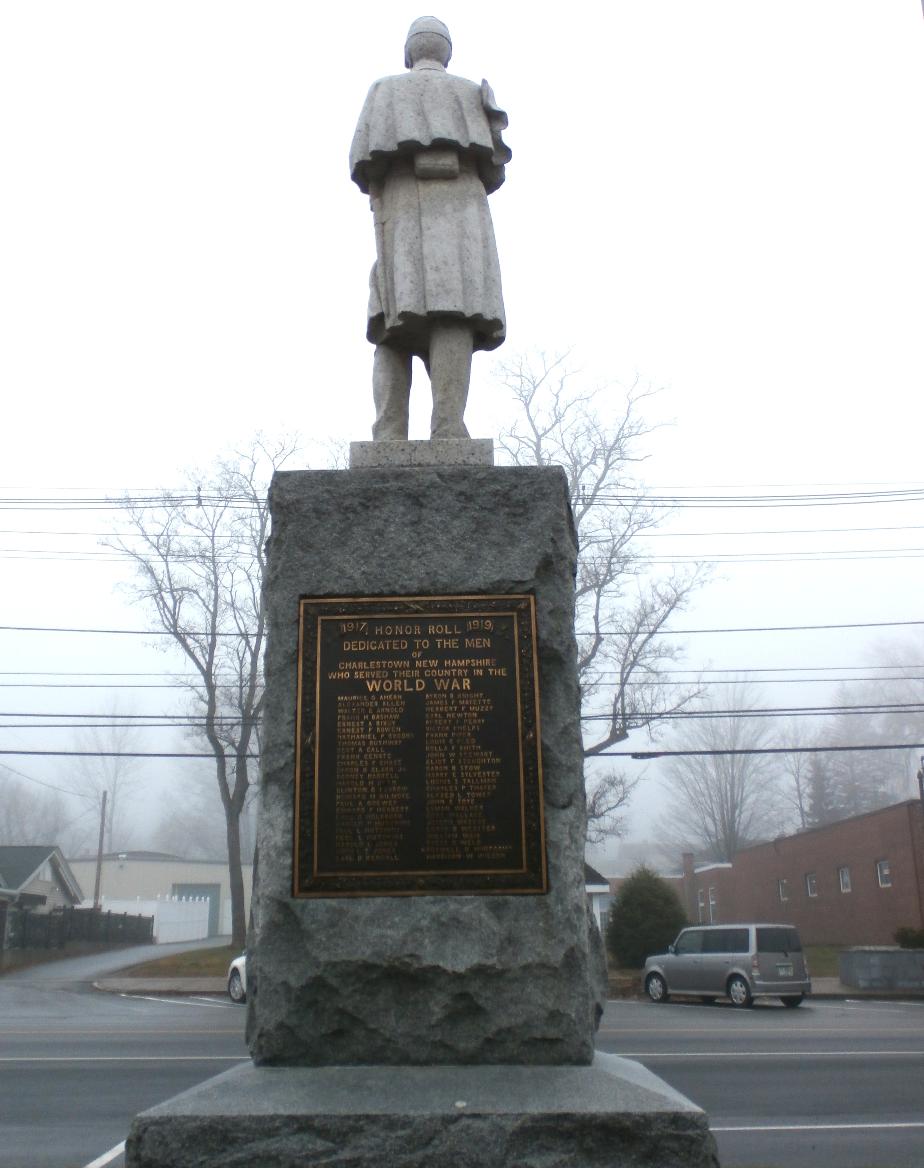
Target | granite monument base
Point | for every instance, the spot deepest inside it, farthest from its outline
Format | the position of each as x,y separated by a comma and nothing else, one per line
423,979
612,1114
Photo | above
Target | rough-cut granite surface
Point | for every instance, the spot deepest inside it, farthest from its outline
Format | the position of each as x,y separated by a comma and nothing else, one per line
614,1114
436,452
429,979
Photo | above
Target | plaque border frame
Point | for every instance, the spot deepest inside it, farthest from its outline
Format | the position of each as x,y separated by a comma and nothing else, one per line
532,877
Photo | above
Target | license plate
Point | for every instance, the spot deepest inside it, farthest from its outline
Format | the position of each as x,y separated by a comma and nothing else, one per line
784,970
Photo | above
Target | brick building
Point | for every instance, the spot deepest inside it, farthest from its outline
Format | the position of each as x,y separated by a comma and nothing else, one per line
848,883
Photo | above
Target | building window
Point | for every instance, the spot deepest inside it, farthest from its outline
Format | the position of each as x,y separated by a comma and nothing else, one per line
713,905
843,878
884,873
811,885
783,888
701,905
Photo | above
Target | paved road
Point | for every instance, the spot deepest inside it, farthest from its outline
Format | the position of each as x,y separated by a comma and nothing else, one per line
832,1083
76,1065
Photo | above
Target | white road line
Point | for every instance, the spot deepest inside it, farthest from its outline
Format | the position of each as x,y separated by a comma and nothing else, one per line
757,1054
126,1058
177,1001
821,1127
107,1157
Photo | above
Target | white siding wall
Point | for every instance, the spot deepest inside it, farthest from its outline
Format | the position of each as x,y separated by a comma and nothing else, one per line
175,919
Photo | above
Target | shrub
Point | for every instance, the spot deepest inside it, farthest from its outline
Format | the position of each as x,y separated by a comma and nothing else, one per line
909,938
646,917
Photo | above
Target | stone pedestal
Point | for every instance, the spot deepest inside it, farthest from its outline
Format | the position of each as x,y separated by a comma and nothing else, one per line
613,1114
424,979
412,1031
436,452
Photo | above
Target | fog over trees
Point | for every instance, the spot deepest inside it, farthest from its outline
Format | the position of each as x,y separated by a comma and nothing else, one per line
105,764
718,801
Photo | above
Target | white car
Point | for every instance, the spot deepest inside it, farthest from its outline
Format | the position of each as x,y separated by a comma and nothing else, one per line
237,980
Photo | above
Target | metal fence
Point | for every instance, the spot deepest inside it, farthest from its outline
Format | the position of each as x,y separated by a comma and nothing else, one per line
54,930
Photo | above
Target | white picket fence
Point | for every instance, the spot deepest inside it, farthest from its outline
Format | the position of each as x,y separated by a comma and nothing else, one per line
176,918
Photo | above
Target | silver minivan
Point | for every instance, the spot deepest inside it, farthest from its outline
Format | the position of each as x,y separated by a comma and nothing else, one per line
741,962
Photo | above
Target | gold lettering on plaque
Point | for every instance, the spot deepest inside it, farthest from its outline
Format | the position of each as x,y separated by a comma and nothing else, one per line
423,772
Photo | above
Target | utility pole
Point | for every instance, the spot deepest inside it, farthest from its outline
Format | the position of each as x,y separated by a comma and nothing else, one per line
99,852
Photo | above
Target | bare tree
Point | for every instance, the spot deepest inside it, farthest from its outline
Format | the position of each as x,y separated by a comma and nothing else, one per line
621,612
797,772
607,803
105,764
199,560
720,797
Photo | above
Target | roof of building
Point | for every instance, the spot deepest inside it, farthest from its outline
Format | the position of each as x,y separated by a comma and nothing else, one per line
888,809
20,862
150,858
592,876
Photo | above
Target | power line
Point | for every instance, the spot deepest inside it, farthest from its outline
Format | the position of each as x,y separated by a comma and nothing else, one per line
774,712
761,558
116,754
41,782
121,717
640,755
115,632
674,672
645,755
193,536
755,628
660,683
157,500
701,534
98,685
581,632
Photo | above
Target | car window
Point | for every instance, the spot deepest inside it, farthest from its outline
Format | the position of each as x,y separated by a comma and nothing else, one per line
778,941
726,941
689,942
738,941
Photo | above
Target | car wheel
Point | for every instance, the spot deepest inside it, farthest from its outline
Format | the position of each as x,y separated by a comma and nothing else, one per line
739,991
793,1000
236,988
656,988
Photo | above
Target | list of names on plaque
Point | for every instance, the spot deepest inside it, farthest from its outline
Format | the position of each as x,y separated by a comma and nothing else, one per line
418,766
372,801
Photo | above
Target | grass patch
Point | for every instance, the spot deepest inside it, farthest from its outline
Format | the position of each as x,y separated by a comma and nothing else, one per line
196,963
822,960
623,983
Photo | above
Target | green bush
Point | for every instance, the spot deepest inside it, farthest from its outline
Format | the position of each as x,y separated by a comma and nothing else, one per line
646,917
909,938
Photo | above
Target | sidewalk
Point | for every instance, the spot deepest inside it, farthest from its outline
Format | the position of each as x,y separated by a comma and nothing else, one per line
830,987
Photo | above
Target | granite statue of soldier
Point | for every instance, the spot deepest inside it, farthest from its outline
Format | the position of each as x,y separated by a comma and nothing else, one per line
428,151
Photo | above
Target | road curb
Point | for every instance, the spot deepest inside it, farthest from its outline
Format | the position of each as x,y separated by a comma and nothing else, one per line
161,985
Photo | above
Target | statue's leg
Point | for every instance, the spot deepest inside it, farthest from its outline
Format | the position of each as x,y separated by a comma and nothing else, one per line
391,391
450,371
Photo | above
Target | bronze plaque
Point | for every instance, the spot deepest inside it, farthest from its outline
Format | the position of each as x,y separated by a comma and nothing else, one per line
418,766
